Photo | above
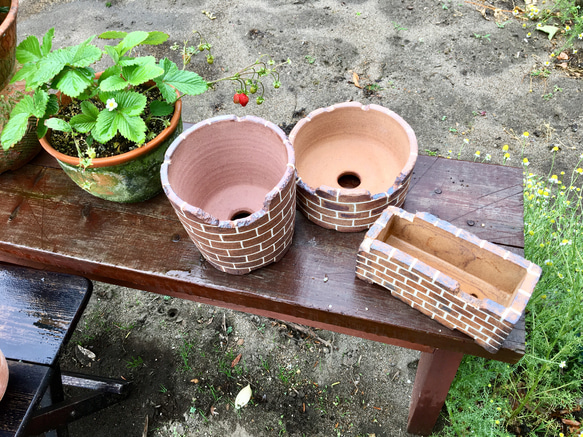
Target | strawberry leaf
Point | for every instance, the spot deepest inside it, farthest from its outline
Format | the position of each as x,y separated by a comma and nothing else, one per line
161,109
85,121
58,124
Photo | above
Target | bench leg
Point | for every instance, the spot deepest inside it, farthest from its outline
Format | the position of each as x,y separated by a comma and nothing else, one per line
435,373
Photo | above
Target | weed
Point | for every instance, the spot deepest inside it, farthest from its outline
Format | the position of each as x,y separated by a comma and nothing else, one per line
486,37
431,152
134,363
489,397
261,328
264,363
184,351
398,27
163,389
310,59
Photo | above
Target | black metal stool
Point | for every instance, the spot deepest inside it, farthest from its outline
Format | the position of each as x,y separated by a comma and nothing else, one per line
39,311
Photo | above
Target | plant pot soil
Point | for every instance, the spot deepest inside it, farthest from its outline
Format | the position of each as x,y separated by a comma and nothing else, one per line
451,275
231,182
7,41
129,177
353,161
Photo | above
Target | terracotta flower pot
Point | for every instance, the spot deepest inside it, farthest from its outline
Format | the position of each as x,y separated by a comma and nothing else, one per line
3,375
127,178
451,275
27,148
232,183
352,162
7,41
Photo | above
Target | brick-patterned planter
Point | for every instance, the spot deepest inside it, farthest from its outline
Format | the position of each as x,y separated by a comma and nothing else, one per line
352,161
456,278
231,181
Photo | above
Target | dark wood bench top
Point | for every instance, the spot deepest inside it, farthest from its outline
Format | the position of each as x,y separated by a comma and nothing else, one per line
48,222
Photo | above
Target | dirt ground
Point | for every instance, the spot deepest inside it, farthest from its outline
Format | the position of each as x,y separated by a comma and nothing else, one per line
461,77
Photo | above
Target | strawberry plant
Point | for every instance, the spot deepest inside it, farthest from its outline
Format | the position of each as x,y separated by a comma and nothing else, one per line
114,105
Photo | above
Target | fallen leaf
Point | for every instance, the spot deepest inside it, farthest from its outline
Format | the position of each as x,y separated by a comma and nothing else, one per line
550,30
570,422
209,15
214,411
563,56
240,342
355,79
243,397
236,360
194,380
563,65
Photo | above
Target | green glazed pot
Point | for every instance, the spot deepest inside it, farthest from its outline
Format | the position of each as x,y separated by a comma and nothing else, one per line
28,147
127,178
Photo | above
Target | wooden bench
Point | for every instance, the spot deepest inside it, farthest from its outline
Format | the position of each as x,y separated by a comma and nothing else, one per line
39,312
50,223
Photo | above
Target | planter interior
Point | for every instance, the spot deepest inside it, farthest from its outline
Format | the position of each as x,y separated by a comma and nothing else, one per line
448,273
231,182
228,172
352,162
352,146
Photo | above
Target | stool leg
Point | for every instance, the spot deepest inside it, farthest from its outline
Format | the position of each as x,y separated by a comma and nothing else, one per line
435,373
57,396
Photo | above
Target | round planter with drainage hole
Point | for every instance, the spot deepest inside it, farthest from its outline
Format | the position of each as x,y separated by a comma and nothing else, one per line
352,162
231,182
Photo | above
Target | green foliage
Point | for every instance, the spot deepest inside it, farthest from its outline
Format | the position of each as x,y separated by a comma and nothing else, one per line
548,378
68,70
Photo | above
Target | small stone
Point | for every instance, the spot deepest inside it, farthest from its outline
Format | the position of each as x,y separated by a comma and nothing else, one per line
574,127
471,223
437,191
84,356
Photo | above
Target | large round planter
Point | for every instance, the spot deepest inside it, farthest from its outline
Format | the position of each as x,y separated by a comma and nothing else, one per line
127,178
7,41
352,162
3,375
27,148
231,182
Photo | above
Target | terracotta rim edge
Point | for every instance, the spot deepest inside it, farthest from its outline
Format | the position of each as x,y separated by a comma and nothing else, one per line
124,157
348,192
10,18
287,178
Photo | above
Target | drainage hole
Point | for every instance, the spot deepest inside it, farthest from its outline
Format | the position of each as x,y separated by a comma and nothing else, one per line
349,180
240,215
474,295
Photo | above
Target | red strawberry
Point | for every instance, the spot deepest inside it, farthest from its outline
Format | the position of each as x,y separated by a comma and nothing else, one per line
237,98
243,99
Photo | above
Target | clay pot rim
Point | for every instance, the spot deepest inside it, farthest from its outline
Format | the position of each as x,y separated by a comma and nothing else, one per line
111,161
287,178
359,192
10,18
3,362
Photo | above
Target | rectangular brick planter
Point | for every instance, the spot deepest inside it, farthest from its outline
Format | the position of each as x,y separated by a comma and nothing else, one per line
452,276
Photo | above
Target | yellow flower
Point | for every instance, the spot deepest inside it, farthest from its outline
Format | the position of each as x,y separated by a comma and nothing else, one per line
579,170
525,134
505,147
506,155
555,149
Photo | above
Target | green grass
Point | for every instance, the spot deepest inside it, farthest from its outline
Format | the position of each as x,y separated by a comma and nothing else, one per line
493,398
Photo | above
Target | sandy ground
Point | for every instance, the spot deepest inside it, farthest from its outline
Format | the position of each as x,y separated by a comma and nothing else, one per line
460,78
